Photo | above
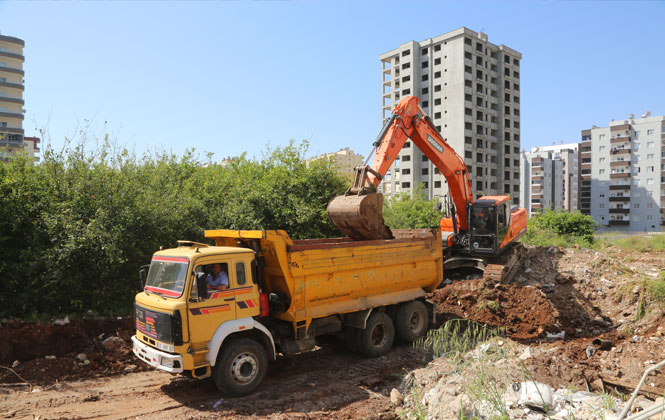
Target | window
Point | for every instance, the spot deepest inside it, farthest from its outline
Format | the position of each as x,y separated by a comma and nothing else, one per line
506,72
636,205
423,51
406,66
240,274
506,97
636,218
437,88
406,52
649,132
424,171
601,205
601,160
468,140
437,115
650,145
467,69
649,168
516,74
468,154
650,205
406,158
424,91
601,171
425,64
601,149
650,181
437,47
424,78
406,79
650,156
437,101
437,61
407,144
437,184
423,158
406,92
406,185
437,75
406,171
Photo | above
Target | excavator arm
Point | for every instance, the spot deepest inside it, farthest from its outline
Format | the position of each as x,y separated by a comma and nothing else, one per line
358,213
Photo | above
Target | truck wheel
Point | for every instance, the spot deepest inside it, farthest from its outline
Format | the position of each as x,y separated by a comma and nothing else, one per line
411,321
241,367
378,336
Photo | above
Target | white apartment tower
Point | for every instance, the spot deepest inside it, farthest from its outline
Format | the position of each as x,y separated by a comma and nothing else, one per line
542,182
568,154
622,174
470,88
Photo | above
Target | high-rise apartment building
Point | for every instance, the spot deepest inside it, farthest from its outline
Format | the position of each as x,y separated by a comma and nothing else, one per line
470,88
542,181
622,174
568,154
11,96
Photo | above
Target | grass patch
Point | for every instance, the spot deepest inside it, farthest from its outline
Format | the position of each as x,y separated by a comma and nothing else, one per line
489,304
547,238
455,338
638,243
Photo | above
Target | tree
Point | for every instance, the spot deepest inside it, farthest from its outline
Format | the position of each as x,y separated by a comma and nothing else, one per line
410,211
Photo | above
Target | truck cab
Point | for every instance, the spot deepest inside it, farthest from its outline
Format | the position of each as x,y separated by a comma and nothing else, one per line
180,324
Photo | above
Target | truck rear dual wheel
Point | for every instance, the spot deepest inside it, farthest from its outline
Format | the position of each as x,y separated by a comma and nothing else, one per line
241,367
377,337
411,321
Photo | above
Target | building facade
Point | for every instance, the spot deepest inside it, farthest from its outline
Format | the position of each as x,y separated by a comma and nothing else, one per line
568,154
470,88
622,174
542,181
11,96
343,160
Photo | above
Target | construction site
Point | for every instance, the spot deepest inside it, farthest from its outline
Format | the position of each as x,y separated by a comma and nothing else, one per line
574,319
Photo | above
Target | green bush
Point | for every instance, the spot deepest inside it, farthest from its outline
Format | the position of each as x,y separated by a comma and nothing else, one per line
75,228
558,228
411,211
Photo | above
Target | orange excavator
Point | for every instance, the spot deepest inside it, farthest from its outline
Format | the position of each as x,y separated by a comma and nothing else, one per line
479,234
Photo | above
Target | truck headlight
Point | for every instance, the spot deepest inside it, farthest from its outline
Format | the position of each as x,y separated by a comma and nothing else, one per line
166,347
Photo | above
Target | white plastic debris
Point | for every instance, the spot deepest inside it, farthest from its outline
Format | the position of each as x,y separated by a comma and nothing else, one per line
559,335
63,321
50,357
536,394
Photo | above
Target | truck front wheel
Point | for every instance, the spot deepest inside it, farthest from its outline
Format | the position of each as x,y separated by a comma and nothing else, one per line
241,367
378,336
411,321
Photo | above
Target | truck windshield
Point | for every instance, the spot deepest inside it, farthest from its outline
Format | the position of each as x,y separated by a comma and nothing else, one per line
167,276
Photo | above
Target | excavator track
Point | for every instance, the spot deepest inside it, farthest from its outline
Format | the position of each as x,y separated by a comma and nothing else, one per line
501,269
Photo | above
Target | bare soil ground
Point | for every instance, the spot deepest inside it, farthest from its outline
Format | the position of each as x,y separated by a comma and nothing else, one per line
586,294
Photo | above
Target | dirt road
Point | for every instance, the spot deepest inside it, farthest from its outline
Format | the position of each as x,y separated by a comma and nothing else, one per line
302,386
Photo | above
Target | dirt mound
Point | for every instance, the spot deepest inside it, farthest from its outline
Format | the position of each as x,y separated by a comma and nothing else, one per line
524,311
25,341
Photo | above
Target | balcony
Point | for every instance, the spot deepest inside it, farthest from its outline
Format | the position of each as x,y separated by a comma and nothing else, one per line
11,115
619,163
620,175
624,199
12,100
620,151
619,222
12,140
12,55
12,85
618,140
620,211
620,187
12,70
11,130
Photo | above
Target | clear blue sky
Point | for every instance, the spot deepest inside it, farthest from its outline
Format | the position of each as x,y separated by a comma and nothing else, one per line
228,77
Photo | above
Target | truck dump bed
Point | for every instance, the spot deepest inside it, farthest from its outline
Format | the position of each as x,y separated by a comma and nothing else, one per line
322,277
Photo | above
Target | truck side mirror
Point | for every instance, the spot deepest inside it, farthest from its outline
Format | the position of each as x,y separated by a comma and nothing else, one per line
202,285
143,275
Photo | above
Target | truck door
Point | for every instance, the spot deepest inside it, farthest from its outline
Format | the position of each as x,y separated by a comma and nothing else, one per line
246,293
207,313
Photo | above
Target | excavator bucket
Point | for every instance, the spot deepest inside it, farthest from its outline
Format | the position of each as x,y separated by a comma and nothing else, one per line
360,217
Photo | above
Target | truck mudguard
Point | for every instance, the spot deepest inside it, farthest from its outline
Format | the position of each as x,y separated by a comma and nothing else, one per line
230,327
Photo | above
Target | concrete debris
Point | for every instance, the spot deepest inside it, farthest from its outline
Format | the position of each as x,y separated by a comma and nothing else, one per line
15,364
63,321
130,368
50,357
526,354
560,335
82,357
396,397
113,344
536,395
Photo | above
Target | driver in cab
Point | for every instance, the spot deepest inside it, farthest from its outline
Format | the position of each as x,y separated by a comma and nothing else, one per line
218,280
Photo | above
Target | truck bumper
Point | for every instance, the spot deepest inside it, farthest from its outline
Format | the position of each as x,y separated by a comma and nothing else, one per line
156,358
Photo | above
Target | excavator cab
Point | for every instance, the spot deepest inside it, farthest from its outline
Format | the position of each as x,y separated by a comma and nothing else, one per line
488,226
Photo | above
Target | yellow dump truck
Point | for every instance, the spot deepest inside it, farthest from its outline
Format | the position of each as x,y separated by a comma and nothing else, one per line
281,294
